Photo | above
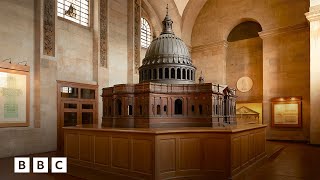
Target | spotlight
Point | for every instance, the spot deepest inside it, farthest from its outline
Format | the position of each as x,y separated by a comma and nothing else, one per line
25,62
9,59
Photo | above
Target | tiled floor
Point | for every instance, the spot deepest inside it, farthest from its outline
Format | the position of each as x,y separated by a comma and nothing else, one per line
292,161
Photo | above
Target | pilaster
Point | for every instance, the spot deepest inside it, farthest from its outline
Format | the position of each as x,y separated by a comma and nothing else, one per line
314,17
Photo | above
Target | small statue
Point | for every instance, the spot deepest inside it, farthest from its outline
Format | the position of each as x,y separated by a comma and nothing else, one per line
201,79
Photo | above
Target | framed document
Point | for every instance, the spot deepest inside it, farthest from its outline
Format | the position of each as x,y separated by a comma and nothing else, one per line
14,95
286,112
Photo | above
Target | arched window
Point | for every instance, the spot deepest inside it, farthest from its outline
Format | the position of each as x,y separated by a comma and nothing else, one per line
155,74
178,106
179,73
183,74
145,75
192,108
192,75
149,74
165,108
145,36
188,74
166,73
129,110
200,109
158,110
140,109
173,73
119,107
160,73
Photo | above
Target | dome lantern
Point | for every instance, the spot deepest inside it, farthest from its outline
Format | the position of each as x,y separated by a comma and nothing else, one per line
167,59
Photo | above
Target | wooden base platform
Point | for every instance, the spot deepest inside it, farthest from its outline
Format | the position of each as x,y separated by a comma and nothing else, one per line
181,153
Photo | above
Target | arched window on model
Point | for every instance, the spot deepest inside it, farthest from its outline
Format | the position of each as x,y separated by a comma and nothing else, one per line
165,108
155,74
130,110
119,107
200,109
149,74
160,73
178,106
192,75
140,110
183,74
158,110
173,73
166,73
188,74
145,75
145,36
141,76
192,108
178,73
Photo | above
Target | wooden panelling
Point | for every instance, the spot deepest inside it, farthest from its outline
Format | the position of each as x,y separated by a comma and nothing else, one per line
251,147
167,155
236,153
142,155
101,150
72,145
244,150
190,153
214,154
120,152
85,147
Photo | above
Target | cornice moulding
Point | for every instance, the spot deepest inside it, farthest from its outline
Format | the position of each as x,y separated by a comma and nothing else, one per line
313,14
210,46
281,30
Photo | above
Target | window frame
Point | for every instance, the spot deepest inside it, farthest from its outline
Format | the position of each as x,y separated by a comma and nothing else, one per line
89,26
144,21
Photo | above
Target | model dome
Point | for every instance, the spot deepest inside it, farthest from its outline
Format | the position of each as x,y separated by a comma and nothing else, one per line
167,59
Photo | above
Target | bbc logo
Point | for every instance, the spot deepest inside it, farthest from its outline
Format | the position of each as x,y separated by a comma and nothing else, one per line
40,165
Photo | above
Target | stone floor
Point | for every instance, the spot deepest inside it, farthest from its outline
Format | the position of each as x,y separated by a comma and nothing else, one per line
286,161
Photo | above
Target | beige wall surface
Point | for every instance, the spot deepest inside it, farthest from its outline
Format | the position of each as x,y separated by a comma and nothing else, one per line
244,58
285,51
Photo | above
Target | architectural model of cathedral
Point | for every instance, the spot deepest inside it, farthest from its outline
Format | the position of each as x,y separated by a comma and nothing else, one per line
167,95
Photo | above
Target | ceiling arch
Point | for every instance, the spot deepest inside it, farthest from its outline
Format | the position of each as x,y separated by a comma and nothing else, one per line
189,17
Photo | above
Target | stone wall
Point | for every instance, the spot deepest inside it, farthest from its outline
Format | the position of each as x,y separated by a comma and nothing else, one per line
286,67
244,58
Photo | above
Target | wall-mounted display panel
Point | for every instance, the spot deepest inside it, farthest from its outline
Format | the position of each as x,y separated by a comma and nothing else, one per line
286,112
14,95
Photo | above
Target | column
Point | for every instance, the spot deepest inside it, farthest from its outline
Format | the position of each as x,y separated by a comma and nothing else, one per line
314,17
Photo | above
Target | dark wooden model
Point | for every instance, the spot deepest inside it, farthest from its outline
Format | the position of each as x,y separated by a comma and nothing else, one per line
168,105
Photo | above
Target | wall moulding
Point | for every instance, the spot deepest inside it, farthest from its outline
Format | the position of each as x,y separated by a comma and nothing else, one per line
211,46
49,28
281,30
104,33
137,46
